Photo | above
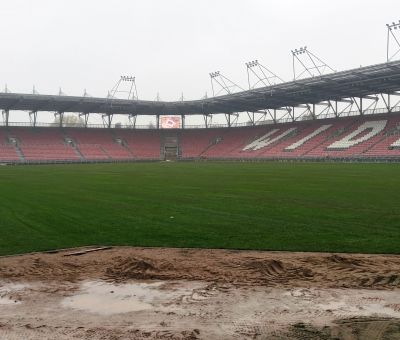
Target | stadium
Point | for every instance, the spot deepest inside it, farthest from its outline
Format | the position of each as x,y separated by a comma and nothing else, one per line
304,132
265,211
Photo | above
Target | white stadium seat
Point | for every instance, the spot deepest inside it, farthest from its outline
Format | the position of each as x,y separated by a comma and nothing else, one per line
348,141
308,137
265,140
396,144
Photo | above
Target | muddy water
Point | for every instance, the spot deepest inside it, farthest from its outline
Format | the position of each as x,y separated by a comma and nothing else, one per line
187,310
282,304
106,298
9,292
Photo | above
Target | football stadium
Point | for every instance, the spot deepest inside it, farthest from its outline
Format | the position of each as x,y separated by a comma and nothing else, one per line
261,211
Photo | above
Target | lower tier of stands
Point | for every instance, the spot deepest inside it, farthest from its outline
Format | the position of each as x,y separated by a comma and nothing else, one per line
358,137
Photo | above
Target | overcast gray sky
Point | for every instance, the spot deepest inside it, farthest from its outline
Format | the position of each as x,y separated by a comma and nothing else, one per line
171,46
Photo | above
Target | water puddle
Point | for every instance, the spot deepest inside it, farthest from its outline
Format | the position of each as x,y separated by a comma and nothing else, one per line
9,293
106,298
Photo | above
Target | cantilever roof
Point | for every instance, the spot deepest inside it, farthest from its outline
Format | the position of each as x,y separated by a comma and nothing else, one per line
360,82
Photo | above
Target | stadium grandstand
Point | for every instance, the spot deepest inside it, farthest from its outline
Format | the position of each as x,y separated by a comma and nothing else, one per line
300,119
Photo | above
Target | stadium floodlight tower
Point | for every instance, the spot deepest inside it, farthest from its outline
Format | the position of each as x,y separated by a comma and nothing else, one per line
259,75
306,64
222,85
126,85
393,32
310,64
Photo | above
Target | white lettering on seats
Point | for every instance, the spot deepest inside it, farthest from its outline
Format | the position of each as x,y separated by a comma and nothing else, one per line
266,140
395,144
308,137
346,142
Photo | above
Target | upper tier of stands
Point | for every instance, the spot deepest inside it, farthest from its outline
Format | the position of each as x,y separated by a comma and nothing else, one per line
368,137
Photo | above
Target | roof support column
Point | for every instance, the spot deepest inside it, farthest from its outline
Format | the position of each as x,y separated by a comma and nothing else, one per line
336,109
205,121
251,118
6,115
110,118
61,118
158,121
183,121
86,118
392,107
34,119
132,119
228,119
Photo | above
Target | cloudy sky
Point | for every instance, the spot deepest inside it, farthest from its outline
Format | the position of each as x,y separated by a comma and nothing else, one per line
172,45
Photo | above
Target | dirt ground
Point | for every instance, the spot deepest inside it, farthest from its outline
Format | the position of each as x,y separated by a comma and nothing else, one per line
159,293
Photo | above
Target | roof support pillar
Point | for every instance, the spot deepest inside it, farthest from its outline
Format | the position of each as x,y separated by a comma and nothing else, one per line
336,109
183,121
6,115
34,119
251,118
132,119
158,121
60,115
205,121
228,119
85,119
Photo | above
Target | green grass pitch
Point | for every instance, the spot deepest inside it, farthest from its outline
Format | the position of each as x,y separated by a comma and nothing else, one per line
273,206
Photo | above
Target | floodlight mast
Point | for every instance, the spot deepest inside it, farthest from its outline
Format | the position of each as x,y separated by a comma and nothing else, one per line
225,85
259,75
391,36
316,66
129,93
264,76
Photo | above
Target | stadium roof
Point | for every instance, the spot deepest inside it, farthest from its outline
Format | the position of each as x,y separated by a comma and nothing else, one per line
360,82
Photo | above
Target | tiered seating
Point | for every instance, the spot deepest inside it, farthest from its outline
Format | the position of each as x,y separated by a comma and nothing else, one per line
231,143
97,144
389,143
339,129
305,136
142,144
117,151
42,136
43,144
351,137
92,152
39,152
194,143
260,147
7,151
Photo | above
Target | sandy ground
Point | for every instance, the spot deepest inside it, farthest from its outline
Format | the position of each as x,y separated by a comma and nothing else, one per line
145,293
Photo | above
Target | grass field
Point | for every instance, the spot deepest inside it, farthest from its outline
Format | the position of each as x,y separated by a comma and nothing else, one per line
275,206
